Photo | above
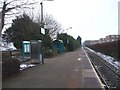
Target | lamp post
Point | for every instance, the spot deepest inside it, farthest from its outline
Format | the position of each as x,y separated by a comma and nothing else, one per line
42,28
69,28
66,29
42,24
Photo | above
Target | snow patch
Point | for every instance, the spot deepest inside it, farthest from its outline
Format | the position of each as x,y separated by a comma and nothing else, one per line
25,66
6,47
107,58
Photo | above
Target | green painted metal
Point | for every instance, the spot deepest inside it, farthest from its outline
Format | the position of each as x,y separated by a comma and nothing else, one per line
25,49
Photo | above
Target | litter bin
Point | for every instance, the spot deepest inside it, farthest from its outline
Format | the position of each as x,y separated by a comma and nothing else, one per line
36,51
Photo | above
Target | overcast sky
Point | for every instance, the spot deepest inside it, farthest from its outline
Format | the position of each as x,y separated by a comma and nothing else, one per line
91,19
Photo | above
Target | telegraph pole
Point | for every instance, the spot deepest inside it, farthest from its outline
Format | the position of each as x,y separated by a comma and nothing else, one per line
42,25
42,28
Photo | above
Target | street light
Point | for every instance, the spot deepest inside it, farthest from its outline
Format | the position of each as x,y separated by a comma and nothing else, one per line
41,14
42,24
66,29
42,27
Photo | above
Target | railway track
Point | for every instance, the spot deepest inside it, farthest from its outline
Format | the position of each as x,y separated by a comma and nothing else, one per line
107,74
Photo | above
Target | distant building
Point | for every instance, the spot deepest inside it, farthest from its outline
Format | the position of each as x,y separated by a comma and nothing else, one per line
88,42
109,38
102,40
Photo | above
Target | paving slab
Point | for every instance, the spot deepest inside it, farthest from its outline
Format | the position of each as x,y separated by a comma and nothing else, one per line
69,70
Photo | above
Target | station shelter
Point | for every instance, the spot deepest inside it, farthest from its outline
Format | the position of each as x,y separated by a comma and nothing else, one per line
58,45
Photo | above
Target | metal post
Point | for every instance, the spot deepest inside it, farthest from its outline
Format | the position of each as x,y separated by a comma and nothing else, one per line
22,52
42,14
42,26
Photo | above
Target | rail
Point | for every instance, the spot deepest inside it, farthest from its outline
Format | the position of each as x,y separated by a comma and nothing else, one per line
107,75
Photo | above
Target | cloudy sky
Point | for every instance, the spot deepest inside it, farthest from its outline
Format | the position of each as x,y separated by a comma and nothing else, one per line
91,19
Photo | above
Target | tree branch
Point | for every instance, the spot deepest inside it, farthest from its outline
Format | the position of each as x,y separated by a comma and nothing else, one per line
7,23
11,2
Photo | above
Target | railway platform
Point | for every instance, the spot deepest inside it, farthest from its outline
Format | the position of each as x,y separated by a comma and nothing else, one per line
89,75
69,70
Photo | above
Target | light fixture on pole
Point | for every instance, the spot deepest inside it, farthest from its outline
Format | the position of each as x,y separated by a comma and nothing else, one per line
42,23
42,29
67,29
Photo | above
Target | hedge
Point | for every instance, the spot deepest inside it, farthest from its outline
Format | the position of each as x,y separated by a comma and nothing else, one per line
108,48
9,67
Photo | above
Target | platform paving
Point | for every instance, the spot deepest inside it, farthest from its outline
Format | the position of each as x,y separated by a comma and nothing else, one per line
69,70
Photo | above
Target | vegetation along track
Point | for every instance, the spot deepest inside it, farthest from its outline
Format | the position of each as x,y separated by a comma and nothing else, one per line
109,75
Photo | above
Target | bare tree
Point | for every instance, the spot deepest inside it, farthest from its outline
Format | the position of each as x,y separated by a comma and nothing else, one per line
52,26
11,7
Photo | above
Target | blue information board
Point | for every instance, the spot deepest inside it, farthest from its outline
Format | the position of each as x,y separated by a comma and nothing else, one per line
25,50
